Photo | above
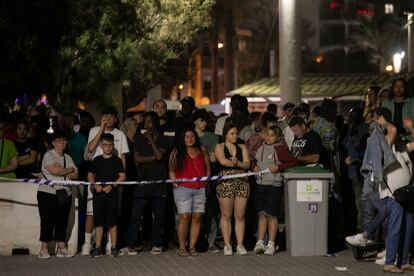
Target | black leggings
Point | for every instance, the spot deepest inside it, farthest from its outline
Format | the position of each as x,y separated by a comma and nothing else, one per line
53,217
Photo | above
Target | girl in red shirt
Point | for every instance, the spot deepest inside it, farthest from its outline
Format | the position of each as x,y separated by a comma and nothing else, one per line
189,160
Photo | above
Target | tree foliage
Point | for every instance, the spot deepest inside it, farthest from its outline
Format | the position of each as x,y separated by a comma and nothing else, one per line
381,37
96,42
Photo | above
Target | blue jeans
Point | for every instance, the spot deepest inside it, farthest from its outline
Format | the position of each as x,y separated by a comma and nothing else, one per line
396,215
374,213
380,218
158,204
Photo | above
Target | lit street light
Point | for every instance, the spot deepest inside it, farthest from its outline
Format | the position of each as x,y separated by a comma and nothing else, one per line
397,61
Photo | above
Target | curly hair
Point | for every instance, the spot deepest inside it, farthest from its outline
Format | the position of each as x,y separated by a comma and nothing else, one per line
181,149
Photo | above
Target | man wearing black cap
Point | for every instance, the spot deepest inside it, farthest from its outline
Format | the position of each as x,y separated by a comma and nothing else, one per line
184,119
237,102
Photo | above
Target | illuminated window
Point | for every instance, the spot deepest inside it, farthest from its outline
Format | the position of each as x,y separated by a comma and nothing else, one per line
389,8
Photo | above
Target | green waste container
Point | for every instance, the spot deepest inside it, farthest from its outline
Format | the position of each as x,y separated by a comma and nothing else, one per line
306,210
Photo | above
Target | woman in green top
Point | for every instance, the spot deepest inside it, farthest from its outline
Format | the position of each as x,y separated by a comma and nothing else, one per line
8,155
400,103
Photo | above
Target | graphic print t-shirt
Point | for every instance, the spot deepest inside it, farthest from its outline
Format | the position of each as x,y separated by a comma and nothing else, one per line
310,143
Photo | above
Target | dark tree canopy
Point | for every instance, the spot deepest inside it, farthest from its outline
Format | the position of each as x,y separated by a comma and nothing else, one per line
73,49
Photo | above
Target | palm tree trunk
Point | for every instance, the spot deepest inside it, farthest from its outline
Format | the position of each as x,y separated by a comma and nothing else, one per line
214,69
228,52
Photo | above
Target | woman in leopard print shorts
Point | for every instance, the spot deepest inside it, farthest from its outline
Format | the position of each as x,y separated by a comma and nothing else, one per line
232,193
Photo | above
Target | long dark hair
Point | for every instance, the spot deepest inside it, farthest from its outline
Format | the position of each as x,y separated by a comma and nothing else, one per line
182,149
355,117
265,118
229,124
154,119
406,89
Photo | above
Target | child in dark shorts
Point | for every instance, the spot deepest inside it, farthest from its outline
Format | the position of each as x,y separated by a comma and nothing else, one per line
105,168
275,156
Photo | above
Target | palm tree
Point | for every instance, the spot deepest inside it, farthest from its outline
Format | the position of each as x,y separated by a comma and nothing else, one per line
381,37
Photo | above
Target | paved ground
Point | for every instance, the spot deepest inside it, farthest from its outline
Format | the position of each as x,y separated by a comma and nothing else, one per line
205,264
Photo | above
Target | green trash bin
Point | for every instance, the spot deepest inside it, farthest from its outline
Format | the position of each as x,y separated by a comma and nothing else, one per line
306,192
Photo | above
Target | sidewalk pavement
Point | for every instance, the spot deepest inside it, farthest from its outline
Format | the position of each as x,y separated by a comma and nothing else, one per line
206,264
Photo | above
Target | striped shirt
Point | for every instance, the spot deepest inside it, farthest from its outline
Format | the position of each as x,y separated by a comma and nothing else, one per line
49,158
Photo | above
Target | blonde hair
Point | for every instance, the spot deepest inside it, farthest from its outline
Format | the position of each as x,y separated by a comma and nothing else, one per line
127,122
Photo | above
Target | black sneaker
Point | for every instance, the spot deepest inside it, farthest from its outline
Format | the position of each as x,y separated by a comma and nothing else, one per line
213,249
114,252
96,252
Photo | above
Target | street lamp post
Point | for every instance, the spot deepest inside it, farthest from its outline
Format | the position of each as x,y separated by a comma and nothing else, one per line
290,51
410,22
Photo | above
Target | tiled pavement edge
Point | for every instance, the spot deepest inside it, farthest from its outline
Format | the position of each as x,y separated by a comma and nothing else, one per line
205,264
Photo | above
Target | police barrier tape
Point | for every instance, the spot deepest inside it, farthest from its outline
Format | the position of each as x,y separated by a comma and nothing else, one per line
180,180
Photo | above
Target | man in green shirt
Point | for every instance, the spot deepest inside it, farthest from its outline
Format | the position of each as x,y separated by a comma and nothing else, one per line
209,141
8,155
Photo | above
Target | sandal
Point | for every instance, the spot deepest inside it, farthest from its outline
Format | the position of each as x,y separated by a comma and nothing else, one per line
193,252
392,269
407,267
126,251
182,252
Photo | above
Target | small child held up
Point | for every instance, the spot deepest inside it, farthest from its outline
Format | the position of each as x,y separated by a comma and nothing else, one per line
105,168
275,156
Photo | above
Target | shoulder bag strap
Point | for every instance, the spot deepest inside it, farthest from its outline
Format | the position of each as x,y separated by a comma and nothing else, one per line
64,164
2,148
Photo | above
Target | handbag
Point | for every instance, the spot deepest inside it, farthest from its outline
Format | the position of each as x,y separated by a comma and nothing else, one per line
404,195
62,197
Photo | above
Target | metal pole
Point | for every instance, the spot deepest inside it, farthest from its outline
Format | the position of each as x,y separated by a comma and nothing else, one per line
410,21
290,51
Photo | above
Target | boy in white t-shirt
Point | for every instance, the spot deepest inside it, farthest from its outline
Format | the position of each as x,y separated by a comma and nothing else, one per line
108,119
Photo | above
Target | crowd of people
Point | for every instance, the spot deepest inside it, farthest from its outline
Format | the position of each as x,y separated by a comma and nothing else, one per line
369,153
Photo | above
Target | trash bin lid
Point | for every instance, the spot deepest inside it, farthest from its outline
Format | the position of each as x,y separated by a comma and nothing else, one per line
308,172
307,169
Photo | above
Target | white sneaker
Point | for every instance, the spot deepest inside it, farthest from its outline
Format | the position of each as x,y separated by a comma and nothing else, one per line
356,240
44,254
86,249
241,250
270,250
381,254
227,250
259,248
380,261
64,253
156,250
108,249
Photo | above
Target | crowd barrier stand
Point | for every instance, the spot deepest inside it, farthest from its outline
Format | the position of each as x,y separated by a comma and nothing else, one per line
20,221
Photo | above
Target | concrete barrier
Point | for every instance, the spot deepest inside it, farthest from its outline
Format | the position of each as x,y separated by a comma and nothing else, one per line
20,221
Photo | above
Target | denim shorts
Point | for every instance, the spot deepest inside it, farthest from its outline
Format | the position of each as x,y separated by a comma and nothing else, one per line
189,200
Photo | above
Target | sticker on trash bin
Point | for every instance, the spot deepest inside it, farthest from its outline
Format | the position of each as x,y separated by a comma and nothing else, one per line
309,191
313,207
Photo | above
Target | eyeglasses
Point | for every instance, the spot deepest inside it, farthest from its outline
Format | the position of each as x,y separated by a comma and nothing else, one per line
107,145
